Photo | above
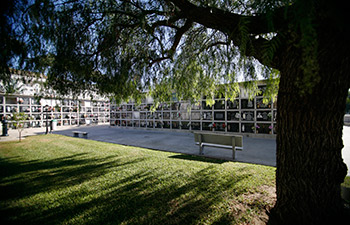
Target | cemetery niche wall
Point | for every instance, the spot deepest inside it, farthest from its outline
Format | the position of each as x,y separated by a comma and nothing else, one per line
242,115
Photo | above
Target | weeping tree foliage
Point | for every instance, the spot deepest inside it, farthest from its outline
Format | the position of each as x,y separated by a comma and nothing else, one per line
12,47
127,48
194,48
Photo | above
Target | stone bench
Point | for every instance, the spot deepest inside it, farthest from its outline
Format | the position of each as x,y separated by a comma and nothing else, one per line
76,134
218,140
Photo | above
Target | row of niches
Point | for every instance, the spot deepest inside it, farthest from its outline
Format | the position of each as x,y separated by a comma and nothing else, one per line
219,104
64,122
263,115
19,100
44,116
40,109
262,128
12,100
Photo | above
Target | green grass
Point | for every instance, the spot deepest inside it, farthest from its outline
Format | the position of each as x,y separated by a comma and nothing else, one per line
54,179
346,182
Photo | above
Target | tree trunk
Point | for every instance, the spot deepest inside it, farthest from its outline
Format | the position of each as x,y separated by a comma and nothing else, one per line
310,167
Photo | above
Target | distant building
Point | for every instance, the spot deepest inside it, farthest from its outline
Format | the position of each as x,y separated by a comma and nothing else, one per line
29,95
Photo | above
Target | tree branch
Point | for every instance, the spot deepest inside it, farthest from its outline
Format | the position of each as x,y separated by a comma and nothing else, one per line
228,22
177,38
169,22
180,32
241,29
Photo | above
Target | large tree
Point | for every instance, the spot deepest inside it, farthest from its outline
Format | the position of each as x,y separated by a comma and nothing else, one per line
124,47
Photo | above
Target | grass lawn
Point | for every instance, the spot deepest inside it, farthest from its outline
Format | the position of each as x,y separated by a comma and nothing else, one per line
55,179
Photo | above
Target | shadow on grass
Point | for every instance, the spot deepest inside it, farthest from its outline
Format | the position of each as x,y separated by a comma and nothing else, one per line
138,196
22,179
197,158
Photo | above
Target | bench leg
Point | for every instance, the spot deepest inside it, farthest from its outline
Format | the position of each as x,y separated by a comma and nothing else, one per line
233,153
76,135
201,147
85,135
233,148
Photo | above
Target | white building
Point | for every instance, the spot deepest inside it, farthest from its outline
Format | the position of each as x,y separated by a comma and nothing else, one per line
28,95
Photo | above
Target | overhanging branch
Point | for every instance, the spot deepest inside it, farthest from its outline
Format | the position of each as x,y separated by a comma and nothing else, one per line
241,29
228,22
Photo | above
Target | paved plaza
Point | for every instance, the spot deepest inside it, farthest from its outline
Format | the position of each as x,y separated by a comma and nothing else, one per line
256,150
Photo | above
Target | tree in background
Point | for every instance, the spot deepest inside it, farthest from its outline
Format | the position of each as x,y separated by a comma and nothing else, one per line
125,47
19,119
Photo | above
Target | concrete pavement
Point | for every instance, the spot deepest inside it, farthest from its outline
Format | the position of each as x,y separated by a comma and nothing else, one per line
256,150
